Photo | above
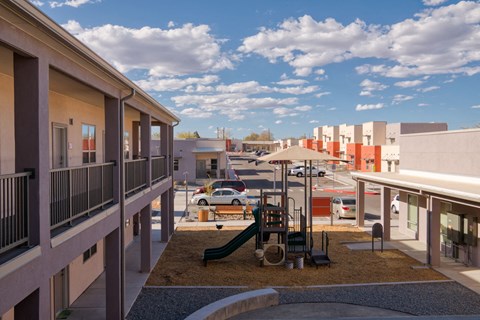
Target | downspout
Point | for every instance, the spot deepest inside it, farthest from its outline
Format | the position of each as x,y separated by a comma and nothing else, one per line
122,203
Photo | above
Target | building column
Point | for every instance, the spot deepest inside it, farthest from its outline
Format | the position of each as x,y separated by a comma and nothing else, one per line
385,211
31,110
112,143
146,144
434,231
146,239
164,147
112,275
165,214
135,138
360,203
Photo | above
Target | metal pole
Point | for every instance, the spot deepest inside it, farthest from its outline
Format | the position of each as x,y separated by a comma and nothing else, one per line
187,213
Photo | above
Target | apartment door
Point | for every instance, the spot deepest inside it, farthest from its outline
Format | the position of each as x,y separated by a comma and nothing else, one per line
201,169
60,291
59,146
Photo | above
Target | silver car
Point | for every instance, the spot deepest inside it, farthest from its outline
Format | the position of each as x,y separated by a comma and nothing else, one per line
220,196
344,207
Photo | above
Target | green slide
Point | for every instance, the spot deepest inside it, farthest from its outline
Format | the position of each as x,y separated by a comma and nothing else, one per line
232,245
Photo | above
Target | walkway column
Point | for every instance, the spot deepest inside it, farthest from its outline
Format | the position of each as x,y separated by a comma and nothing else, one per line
145,144
434,231
165,215
146,239
112,143
112,275
360,203
31,107
385,211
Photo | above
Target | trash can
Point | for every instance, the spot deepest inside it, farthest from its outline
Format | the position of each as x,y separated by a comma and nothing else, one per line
202,215
299,262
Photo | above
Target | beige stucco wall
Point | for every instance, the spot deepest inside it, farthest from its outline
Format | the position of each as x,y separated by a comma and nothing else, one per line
7,119
318,133
392,153
129,233
446,153
10,315
81,275
377,132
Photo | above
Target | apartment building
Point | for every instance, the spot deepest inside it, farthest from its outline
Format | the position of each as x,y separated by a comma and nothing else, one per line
79,168
350,139
439,188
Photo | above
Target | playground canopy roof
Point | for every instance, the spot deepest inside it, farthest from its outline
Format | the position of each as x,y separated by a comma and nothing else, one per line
297,153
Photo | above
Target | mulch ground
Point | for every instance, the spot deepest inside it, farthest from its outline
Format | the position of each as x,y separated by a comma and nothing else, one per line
181,263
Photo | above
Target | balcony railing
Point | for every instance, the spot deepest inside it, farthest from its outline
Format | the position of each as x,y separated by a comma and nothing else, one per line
135,175
78,191
13,210
159,165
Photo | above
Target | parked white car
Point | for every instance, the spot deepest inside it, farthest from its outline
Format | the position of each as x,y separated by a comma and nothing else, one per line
344,207
395,205
299,171
220,196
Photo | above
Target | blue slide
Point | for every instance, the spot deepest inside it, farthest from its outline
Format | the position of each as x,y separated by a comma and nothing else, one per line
232,245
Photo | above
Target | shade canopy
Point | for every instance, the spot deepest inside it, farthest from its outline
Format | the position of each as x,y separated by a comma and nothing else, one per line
297,153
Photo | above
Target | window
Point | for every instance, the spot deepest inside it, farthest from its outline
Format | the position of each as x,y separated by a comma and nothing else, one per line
89,253
213,164
126,145
412,215
89,146
175,165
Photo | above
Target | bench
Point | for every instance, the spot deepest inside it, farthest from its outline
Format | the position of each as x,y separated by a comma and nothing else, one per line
232,210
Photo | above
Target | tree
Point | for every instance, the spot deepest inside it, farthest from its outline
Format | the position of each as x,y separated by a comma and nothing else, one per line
266,135
187,135
252,137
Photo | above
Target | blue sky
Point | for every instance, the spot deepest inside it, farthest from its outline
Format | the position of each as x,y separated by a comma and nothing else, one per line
290,66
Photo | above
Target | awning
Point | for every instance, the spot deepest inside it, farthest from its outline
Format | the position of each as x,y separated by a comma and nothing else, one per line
207,150
299,154
446,187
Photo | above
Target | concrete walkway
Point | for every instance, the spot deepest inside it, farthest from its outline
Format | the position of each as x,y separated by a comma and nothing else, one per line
91,305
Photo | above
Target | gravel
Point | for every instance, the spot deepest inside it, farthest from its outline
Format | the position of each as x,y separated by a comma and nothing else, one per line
435,298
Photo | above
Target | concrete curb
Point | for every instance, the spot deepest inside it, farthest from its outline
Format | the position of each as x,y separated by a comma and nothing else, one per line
236,304
348,191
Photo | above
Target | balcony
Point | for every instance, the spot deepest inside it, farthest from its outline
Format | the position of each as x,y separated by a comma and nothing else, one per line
159,165
13,211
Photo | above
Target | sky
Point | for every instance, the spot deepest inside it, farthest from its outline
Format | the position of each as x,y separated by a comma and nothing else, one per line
289,66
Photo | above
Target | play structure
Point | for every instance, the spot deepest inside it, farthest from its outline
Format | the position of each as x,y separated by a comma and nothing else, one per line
280,227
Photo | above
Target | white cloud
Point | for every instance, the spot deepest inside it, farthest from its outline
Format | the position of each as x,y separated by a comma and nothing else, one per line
441,40
369,86
173,84
171,24
303,108
321,94
284,112
408,84
476,107
71,3
332,109
278,122
195,113
314,121
294,82
428,89
433,2
423,104
178,51
363,107
37,3
400,98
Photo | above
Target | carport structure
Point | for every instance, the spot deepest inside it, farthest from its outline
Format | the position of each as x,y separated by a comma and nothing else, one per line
429,206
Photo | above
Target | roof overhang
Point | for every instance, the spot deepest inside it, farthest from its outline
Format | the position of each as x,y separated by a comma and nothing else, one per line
423,185
208,150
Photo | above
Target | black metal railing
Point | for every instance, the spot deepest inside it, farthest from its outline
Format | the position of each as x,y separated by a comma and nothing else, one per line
78,191
159,168
14,210
135,175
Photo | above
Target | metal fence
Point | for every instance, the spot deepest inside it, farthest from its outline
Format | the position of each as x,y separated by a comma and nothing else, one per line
13,210
135,175
159,165
78,191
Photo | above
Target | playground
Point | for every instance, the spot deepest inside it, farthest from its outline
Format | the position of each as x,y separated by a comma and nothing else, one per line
181,264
